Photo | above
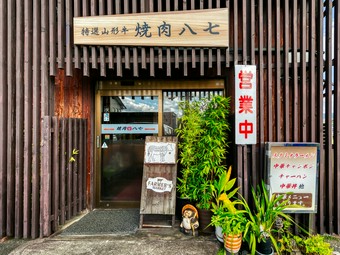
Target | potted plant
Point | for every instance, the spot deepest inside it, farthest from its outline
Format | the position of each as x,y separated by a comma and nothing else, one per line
233,221
203,142
260,233
221,189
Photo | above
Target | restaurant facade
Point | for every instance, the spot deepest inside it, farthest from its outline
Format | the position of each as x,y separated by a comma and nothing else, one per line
82,83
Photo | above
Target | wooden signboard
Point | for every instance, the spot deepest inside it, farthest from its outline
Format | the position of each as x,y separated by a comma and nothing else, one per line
293,172
159,179
194,28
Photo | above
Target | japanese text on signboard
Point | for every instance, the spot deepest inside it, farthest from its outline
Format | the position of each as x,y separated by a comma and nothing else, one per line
208,27
293,172
245,104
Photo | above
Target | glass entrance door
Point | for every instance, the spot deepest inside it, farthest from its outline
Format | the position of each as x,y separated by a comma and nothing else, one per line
124,123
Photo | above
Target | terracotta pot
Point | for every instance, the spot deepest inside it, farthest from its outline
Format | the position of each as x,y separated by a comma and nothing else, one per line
232,243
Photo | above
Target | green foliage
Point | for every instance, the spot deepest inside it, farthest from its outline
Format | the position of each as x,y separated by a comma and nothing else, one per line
314,245
203,142
262,218
226,213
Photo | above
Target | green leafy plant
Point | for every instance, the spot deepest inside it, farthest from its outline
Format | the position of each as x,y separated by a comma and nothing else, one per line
262,218
203,143
189,133
314,245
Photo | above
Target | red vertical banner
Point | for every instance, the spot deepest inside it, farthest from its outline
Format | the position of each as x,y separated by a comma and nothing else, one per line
245,104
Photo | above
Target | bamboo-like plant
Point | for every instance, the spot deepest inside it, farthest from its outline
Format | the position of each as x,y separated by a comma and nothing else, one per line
203,143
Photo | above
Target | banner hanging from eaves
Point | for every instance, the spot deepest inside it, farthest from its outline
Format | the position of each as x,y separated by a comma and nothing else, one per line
196,28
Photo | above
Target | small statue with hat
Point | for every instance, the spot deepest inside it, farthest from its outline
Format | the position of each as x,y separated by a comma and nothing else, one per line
189,222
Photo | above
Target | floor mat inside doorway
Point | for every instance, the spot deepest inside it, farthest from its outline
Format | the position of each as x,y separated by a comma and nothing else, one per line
98,222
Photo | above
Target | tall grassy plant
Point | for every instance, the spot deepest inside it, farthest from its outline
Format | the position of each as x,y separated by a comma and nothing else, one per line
203,142
189,133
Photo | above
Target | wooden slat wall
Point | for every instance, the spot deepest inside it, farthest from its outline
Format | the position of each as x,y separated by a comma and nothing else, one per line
62,179
298,89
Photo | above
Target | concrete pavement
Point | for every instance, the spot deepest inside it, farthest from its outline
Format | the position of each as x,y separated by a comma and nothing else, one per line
168,241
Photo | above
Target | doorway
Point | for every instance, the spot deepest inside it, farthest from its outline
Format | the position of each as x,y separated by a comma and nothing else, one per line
124,116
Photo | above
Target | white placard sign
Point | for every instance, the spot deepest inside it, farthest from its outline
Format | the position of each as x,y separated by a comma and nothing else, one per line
245,104
293,171
159,184
160,153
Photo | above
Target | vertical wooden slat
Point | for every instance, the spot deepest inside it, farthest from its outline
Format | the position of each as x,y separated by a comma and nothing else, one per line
312,70
320,60
3,116
244,32
63,171
176,49
55,172
151,53
337,110
11,21
185,53
126,50
118,49
81,164
286,71
19,115
94,54
69,36
160,50
244,149
253,62
278,82
89,195
46,178
36,121
86,57
44,59
61,33
239,150
77,56
27,120
329,112
193,50
269,73
53,36
134,49
303,81
102,48
227,53
110,48
295,106
75,166
143,50
69,169
312,80
295,113
218,53
44,99
261,118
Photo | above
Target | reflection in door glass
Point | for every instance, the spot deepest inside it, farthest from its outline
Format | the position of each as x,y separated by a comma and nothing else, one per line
126,121
171,112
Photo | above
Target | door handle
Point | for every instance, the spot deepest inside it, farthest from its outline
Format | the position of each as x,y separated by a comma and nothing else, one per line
98,141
